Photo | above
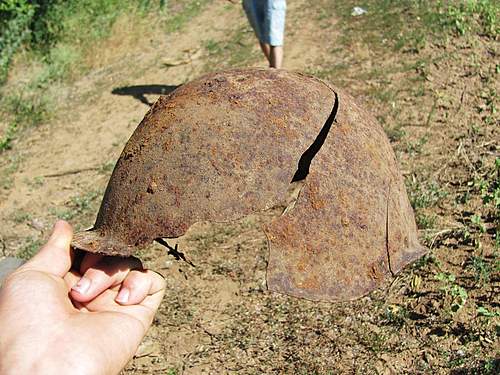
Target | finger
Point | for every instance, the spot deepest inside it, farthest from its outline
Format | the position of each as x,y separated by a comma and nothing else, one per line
137,286
143,311
56,256
71,278
107,272
155,296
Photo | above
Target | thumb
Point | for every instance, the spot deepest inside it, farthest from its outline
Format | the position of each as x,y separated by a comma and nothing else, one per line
56,256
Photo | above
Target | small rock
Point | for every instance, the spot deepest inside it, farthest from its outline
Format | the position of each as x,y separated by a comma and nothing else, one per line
37,224
357,11
147,348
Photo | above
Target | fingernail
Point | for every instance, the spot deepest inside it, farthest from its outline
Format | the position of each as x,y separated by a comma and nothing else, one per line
82,286
123,295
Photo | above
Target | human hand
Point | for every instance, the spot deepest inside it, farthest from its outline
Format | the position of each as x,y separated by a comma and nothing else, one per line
54,321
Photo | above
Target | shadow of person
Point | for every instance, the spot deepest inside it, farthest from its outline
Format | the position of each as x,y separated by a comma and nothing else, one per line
139,91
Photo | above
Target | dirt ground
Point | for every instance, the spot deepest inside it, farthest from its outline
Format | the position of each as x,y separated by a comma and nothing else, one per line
218,317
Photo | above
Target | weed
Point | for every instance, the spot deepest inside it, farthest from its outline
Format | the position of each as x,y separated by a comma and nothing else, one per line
29,248
107,167
481,268
395,133
13,162
460,296
483,311
414,148
21,217
427,260
8,137
179,19
26,110
449,287
213,47
470,16
15,18
396,315
78,206
374,341
492,366
235,52
36,182
478,223
423,194
425,221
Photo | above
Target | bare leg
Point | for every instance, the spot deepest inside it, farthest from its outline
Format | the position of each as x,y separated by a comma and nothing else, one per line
276,57
266,48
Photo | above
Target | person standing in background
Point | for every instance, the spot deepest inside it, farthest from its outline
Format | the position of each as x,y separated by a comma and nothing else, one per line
267,18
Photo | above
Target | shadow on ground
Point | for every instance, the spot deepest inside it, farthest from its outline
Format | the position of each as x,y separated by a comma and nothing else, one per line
139,91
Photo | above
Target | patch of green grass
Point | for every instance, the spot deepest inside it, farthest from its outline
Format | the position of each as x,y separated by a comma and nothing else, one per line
395,315
416,147
406,25
423,193
15,19
462,17
236,51
10,167
395,133
190,9
25,109
21,216
107,168
333,72
482,268
36,182
376,342
29,248
78,206
425,221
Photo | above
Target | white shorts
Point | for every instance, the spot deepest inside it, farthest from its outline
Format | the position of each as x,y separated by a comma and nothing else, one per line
267,18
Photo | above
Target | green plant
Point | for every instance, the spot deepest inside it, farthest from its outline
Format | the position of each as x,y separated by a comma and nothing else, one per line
29,248
414,148
427,260
483,311
15,20
396,133
460,296
190,9
78,205
449,287
423,194
467,16
25,110
396,315
12,164
425,221
21,216
482,269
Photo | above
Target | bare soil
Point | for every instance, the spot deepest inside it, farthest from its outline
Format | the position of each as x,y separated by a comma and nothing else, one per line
218,317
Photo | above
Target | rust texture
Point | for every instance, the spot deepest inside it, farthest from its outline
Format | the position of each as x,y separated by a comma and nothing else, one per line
230,144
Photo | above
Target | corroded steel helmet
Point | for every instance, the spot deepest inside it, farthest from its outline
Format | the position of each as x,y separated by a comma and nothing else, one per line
244,141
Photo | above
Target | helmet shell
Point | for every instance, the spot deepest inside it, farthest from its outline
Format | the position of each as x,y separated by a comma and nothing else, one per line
238,142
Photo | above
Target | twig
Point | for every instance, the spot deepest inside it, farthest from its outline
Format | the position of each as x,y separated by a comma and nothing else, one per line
440,233
72,171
